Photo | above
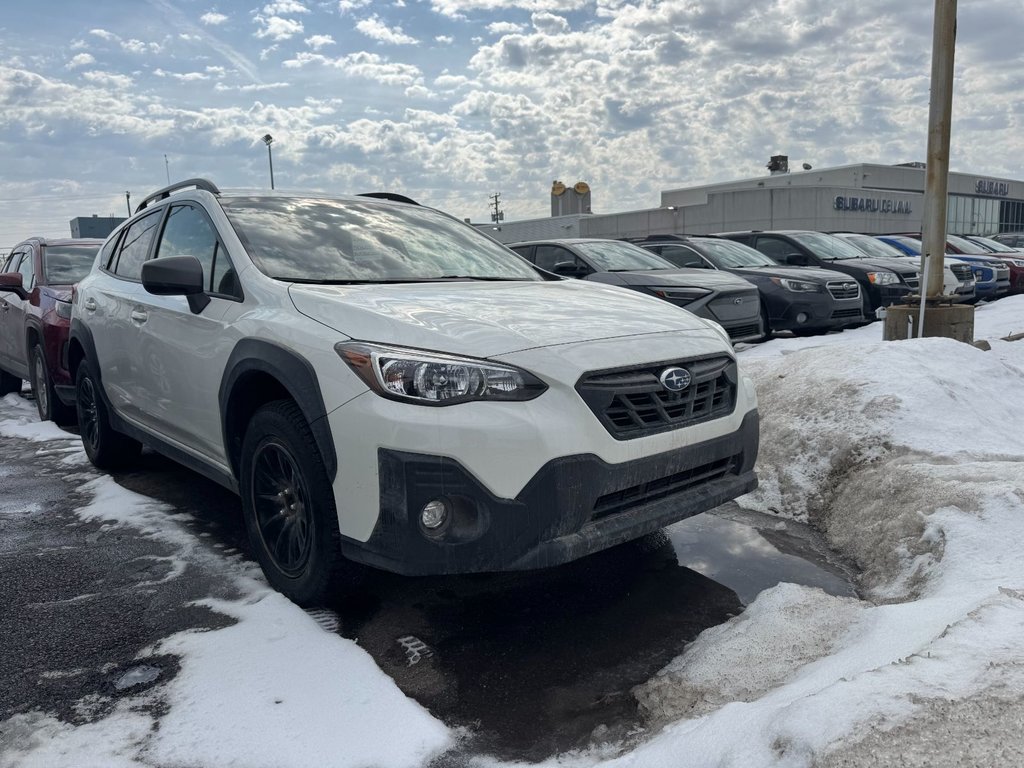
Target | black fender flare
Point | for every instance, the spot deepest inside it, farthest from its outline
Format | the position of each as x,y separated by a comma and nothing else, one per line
296,375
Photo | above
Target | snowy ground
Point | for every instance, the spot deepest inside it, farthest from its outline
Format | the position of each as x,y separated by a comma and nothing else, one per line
908,455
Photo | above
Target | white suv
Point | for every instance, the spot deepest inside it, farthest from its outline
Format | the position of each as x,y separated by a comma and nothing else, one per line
383,383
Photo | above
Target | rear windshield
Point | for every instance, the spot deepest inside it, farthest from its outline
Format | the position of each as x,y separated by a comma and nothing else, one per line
67,264
320,240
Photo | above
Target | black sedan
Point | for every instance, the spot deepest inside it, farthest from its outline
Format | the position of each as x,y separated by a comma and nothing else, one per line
804,300
730,301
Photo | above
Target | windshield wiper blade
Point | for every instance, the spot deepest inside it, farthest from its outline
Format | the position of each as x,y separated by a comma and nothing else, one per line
375,281
491,278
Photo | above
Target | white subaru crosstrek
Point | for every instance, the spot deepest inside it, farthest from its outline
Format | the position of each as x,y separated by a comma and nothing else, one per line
383,383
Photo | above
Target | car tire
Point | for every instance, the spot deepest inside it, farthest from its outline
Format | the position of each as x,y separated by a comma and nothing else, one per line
48,404
9,384
105,446
289,509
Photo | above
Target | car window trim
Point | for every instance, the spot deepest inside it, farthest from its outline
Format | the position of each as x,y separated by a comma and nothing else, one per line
220,247
159,212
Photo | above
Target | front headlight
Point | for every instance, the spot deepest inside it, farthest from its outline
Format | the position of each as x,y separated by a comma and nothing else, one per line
429,378
63,309
983,274
1015,262
681,296
797,286
883,278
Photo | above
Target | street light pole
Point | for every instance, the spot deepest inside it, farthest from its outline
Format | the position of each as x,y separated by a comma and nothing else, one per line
268,140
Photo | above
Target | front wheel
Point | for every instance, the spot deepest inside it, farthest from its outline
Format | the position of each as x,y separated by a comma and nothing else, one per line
289,508
47,403
105,446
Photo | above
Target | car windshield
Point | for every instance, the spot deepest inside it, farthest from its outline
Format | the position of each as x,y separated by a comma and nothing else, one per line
874,247
965,246
828,247
613,256
725,254
993,245
322,240
67,264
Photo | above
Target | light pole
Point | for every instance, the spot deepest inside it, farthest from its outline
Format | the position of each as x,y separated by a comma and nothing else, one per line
268,140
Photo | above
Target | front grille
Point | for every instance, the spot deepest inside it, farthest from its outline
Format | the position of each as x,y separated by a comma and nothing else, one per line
1002,273
644,493
843,314
632,402
744,331
962,271
913,279
847,290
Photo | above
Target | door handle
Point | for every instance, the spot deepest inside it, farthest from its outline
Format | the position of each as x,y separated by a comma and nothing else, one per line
138,316
90,305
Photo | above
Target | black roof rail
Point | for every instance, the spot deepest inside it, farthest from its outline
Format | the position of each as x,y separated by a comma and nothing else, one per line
162,194
392,196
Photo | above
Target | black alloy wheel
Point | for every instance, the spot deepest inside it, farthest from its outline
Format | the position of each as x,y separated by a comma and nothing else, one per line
47,403
282,509
289,509
105,446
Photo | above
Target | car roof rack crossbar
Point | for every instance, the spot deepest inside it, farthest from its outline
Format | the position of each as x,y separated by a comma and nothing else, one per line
162,194
392,196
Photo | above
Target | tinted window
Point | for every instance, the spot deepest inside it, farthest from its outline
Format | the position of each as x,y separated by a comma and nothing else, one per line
324,241
726,254
874,247
67,264
135,246
827,247
548,256
776,248
188,232
681,256
526,251
9,262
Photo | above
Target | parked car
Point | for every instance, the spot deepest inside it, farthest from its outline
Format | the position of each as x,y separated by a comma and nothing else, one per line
1014,258
383,383
991,276
730,301
1012,239
882,281
804,300
957,276
35,316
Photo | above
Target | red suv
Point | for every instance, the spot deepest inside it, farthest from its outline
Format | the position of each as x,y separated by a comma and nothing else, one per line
35,316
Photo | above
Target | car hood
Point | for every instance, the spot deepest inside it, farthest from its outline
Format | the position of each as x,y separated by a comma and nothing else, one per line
702,278
488,319
811,274
893,265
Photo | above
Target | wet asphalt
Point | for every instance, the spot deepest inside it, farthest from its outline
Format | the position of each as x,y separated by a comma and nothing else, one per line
529,664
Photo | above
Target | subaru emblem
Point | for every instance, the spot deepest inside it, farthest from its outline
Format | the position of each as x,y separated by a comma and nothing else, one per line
675,379
737,301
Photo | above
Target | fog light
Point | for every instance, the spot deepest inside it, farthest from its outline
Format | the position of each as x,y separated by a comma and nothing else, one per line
434,514
802,317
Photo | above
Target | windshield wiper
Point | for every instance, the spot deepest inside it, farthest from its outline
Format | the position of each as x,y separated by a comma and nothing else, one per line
375,281
477,277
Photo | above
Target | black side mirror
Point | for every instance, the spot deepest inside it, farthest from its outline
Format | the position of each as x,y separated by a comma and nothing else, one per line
176,276
13,282
798,259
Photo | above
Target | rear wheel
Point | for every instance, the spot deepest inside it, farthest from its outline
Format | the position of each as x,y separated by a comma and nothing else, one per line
47,403
9,384
289,508
105,446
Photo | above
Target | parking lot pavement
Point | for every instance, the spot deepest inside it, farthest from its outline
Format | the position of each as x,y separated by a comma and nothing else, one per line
528,664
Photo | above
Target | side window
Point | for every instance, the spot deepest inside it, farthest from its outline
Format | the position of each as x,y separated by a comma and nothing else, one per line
774,248
548,256
27,269
189,232
11,264
107,253
135,246
527,252
683,256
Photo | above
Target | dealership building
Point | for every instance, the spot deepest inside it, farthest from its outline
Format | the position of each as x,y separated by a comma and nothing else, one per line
854,198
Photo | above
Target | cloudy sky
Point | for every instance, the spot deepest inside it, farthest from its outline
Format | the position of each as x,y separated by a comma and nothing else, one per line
450,101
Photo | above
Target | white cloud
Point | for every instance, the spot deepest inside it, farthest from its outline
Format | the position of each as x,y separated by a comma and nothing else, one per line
458,8
284,7
451,82
213,18
549,23
103,34
277,28
444,39
111,79
216,71
344,6
251,87
377,30
316,42
81,60
504,28
265,53
365,65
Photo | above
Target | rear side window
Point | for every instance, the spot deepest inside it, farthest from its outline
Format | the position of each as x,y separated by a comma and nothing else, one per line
135,246
189,232
775,248
550,255
681,256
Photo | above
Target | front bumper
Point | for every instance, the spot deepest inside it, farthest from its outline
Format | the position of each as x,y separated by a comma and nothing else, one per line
573,506
788,311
